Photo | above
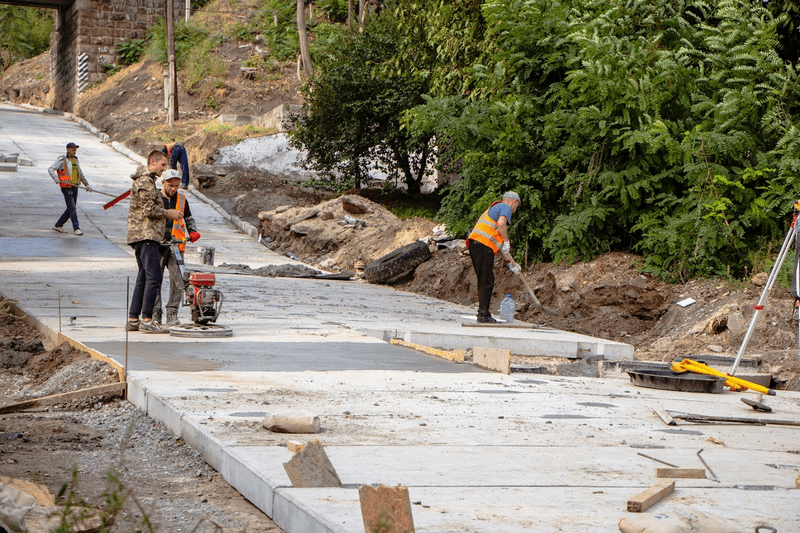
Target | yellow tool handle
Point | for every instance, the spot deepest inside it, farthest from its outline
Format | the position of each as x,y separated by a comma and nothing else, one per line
688,365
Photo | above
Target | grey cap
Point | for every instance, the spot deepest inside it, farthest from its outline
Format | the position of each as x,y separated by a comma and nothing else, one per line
170,174
512,195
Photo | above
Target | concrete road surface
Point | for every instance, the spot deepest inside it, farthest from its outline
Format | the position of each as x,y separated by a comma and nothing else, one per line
479,451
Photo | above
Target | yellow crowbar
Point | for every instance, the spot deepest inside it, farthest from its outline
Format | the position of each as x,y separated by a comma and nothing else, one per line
734,383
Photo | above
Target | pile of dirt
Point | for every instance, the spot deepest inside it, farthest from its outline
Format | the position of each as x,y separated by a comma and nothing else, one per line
101,446
338,234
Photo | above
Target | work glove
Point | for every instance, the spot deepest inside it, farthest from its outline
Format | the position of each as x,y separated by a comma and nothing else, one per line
505,247
514,268
89,188
194,236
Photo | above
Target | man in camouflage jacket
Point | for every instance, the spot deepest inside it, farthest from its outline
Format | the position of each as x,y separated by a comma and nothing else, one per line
146,220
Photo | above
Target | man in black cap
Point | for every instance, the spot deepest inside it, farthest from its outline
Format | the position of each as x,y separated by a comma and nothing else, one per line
67,174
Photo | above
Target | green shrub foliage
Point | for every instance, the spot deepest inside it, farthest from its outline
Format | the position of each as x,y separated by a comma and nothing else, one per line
667,129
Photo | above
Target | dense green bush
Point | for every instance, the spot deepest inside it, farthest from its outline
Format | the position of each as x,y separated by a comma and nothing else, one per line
130,51
665,129
24,33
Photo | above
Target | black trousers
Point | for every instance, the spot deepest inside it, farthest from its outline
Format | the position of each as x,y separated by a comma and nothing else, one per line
483,262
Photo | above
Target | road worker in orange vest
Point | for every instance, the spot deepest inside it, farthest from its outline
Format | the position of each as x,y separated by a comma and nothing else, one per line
489,236
67,174
176,230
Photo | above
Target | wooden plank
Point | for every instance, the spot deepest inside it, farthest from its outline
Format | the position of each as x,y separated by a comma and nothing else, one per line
684,473
646,499
113,388
515,324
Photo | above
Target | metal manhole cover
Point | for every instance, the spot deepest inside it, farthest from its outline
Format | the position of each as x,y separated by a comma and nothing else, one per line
200,330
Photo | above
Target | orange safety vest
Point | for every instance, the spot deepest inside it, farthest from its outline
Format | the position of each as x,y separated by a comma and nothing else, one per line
486,232
179,230
64,176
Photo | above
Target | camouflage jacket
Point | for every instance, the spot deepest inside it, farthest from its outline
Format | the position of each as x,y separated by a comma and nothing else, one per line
146,213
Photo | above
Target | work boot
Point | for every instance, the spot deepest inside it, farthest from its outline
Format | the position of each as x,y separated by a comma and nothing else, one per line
151,327
172,318
486,320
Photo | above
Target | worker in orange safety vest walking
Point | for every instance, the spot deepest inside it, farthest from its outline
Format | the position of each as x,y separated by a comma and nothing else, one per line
489,236
175,230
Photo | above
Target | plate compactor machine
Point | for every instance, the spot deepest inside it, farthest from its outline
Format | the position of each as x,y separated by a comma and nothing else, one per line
203,300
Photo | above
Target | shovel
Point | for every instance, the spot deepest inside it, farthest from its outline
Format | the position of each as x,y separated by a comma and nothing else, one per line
528,289
93,190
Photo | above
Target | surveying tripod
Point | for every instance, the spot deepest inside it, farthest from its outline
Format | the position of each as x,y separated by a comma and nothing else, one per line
773,275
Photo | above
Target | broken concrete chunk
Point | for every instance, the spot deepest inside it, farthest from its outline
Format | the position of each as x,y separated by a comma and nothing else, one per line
736,322
355,205
8,167
311,468
386,509
294,445
292,422
304,214
24,161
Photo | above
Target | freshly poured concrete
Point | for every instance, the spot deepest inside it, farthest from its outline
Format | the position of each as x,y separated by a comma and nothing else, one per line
479,451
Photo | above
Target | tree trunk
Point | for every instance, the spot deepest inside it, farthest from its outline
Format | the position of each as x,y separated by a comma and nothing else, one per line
303,37
351,8
172,111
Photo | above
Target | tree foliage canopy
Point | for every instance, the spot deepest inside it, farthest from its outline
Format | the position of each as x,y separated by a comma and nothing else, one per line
667,129
351,119
24,33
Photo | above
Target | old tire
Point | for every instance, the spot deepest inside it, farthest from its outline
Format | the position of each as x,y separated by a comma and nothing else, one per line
398,262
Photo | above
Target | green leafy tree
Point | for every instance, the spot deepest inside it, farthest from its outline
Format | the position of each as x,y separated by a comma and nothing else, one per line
24,33
351,119
666,129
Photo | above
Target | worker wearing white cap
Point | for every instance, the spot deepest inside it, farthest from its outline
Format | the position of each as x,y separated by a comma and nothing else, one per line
489,236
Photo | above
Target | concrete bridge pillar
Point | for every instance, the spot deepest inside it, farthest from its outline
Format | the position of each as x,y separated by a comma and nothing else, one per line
85,38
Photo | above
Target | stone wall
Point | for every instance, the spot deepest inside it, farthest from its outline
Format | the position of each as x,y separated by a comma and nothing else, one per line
85,38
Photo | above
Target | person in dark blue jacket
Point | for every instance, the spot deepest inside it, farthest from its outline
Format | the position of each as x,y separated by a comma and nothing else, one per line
177,154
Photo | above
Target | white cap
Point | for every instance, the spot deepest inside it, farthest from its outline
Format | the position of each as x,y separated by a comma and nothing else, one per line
170,174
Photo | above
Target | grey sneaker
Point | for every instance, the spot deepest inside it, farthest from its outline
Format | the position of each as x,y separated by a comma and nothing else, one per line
58,229
151,327
172,318
78,232
131,326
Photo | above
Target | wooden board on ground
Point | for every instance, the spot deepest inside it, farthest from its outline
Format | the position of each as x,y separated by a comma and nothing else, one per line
55,399
683,473
646,499
520,325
